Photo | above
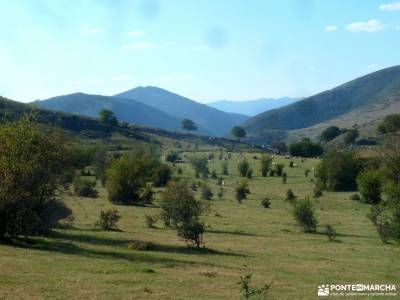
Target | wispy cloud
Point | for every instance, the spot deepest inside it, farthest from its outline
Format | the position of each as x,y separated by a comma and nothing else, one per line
331,28
176,77
91,30
121,77
144,45
136,33
369,26
390,6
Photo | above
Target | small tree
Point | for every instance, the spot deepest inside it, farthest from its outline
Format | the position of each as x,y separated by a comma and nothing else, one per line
206,192
290,196
147,196
266,202
84,187
351,136
108,220
370,186
243,168
330,133
182,211
280,146
304,214
279,169
242,190
390,124
199,165
108,117
238,132
224,165
266,162
162,175
188,125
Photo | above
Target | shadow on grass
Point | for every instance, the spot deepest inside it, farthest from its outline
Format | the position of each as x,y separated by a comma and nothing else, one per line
242,233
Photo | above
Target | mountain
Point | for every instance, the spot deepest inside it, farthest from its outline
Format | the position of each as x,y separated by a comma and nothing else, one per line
361,102
252,107
216,121
125,110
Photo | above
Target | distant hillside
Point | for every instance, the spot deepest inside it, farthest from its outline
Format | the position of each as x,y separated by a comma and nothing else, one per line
126,110
252,107
361,101
216,121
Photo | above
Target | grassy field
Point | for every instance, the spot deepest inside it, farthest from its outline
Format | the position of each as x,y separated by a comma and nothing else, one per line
85,263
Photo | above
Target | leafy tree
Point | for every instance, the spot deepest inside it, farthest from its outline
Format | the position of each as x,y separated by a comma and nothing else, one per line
200,166
32,161
182,211
172,157
243,167
147,196
162,175
238,132
84,187
206,192
108,220
330,133
305,148
338,171
189,125
370,186
304,214
279,146
108,117
266,202
290,196
351,135
242,190
390,124
265,162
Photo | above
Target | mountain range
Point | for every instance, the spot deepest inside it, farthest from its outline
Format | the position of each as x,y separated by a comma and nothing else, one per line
360,103
150,106
252,107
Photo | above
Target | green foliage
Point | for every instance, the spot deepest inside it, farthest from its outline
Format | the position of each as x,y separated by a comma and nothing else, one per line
127,176
330,133
181,210
107,116
189,125
265,162
305,148
224,165
172,157
248,292
304,214
284,178
390,124
338,171
266,202
32,161
151,221
290,196
330,232
108,220
351,135
147,196
214,174
355,197
200,166
242,190
162,175
370,186
279,169
279,146
238,132
206,192
84,187
243,167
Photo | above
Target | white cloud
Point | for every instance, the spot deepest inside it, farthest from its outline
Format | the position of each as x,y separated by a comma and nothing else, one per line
331,28
390,6
121,77
144,45
91,30
176,77
135,33
369,26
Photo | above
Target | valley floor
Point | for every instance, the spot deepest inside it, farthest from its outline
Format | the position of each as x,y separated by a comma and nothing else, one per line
84,263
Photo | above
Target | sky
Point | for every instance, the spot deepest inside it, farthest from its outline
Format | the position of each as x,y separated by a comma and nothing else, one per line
206,50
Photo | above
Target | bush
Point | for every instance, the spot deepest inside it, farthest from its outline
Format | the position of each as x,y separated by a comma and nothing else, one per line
224,165
141,246
243,168
351,136
338,171
162,176
248,292
330,232
33,159
305,148
206,192
370,186
127,176
84,187
199,165
241,191
266,203
182,211
214,174
304,214
284,178
355,197
330,133
290,196
172,157
249,174
265,162
108,220
272,173
317,192
147,196
151,221
306,172
279,169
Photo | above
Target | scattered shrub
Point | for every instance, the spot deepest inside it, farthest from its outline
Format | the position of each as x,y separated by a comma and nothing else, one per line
370,186
306,172
284,178
206,192
108,220
279,169
304,214
241,191
224,165
266,202
172,157
162,176
249,174
200,166
214,174
272,173
141,246
265,162
317,192
355,197
84,187
290,196
243,168
147,196
248,292
330,232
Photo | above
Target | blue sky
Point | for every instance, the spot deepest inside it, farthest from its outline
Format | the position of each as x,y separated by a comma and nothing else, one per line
205,50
